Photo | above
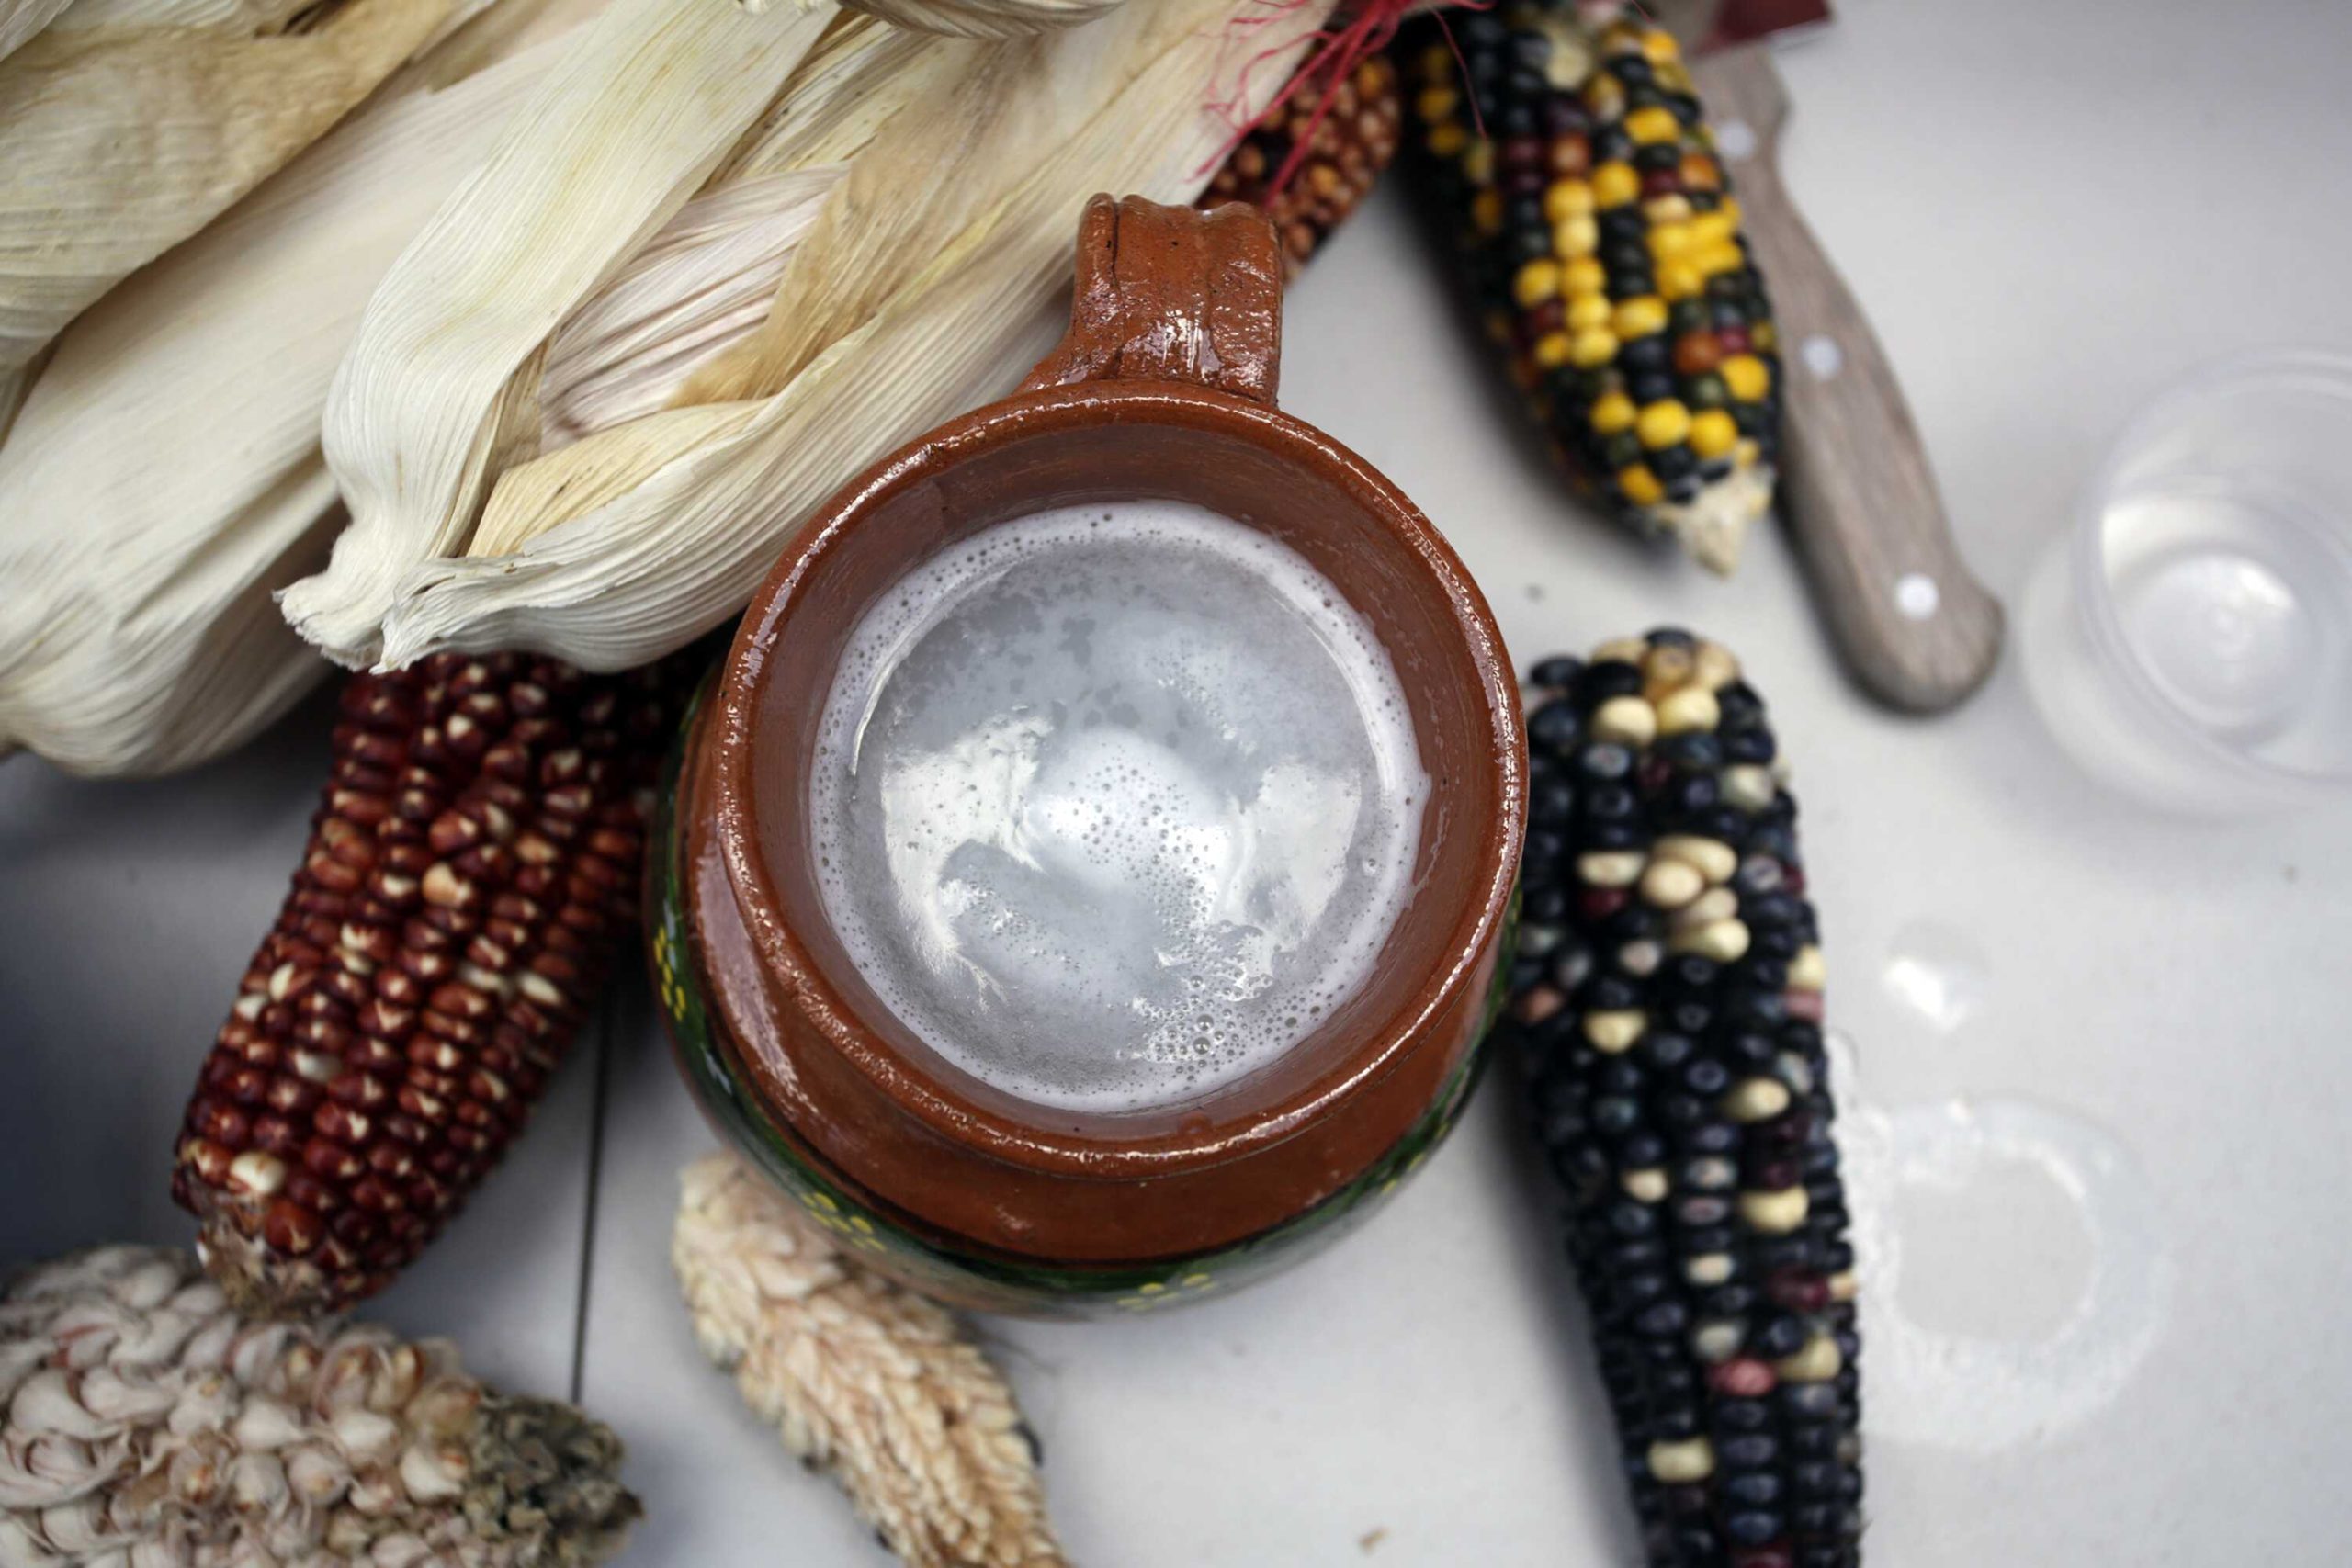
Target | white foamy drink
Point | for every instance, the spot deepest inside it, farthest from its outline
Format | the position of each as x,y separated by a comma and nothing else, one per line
1112,805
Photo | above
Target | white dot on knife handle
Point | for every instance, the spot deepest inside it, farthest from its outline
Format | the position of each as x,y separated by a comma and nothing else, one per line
1821,355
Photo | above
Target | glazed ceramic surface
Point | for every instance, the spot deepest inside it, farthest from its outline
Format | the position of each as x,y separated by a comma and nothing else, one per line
1164,388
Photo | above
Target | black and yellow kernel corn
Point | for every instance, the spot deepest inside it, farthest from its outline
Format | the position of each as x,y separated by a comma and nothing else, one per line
1667,1004
1572,166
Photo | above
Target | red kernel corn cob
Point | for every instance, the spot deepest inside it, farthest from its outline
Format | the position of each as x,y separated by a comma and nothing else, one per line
1347,148
473,865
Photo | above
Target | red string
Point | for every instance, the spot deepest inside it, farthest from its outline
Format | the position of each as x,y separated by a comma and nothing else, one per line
1370,27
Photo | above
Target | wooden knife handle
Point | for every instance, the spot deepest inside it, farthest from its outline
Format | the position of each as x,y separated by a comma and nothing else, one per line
1916,627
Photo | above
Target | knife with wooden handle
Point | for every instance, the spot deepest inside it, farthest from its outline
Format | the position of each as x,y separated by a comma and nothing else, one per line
1915,626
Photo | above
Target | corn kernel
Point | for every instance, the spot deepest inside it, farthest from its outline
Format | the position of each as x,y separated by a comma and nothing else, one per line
1537,281
1437,103
1612,411
1682,1463
1663,423
1552,350
1487,212
1478,164
1765,335
1713,433
1722,258
1583,276
1729,207
1747,453
1668,241
1639,485
1594,347
1448,140
1655,124
1679,280
1746,376
1578,236
1640,317
1614,184
1658,44
1590,310
1711,228
1437,62
1566,198
1672,208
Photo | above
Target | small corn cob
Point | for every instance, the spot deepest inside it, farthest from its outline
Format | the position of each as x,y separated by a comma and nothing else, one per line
473,865
1350,140
1667,1002
862,1376
148,1423
1603,250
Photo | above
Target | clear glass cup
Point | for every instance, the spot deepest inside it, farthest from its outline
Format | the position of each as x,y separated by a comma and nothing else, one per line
2189,637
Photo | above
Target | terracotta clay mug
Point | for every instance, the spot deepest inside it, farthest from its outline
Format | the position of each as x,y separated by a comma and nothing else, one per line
1164,388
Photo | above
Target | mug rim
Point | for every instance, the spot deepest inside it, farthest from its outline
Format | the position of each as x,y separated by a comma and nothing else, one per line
1193,1143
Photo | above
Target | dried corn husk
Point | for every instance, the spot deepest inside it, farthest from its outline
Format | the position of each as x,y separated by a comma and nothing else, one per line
705,282
15,386
441,387
984,18
164,478
130,124
20,19
864,1378
937,272
143,640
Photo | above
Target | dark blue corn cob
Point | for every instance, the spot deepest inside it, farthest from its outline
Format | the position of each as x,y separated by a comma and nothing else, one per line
1667,1002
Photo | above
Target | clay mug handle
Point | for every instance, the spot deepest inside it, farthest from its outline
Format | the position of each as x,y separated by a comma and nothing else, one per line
1173,294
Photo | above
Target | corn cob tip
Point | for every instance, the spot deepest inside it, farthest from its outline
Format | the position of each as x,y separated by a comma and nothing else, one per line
542,1470
260,1280
1712,525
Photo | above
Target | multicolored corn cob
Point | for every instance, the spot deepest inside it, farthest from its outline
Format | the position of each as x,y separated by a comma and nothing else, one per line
472,866
1667,1001
1571,163
1349,140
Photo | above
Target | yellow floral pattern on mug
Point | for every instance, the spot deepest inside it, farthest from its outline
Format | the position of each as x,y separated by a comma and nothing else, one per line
1187,1287
852,1227
665,970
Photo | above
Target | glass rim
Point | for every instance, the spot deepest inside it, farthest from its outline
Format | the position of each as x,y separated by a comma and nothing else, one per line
2324,370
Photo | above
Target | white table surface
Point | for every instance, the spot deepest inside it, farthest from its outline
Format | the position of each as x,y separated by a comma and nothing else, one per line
2096,1128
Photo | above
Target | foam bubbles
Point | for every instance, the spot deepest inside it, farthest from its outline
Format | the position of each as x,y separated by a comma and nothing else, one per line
1111,806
